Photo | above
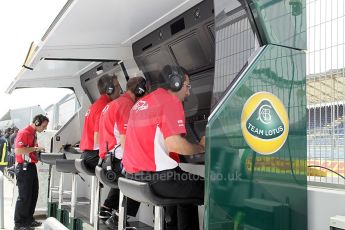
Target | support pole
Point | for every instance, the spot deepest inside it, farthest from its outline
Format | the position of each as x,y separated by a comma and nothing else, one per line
1,200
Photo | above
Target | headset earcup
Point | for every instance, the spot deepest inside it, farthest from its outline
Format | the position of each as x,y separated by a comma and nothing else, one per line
140,89
110,89
175,82
109,86
37,122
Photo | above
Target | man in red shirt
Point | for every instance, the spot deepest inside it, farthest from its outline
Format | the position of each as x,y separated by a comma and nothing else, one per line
112,131
109,89
26,149
156,128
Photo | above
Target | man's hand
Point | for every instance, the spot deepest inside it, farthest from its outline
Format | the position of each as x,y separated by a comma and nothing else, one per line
180,145
203,141
40,149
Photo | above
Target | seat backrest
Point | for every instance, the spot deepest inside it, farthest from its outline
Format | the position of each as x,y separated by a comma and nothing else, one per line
141,191
66,166
50,158
83,168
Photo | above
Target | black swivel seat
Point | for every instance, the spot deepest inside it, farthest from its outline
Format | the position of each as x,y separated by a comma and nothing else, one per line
141,192
83,168
50,159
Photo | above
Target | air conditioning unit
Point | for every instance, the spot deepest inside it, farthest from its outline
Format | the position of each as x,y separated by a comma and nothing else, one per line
337,223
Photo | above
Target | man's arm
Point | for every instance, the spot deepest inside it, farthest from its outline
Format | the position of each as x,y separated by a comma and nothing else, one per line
122,141
27,150
95,140
180,145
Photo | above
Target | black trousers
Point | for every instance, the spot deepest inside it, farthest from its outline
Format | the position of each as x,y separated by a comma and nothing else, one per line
176,183
113,195
27,182
91,159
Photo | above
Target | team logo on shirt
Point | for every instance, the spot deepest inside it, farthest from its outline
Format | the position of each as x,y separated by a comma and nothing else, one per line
264,123
87,113
180,123
105,108
140,105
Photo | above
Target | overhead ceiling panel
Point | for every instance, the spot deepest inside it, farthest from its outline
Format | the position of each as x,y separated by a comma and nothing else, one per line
94,31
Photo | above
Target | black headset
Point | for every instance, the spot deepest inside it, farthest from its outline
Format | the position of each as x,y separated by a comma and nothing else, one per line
175,78
140,89
109,86
39,119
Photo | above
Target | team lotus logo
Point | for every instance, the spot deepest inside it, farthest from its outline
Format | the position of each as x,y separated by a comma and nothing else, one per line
264,123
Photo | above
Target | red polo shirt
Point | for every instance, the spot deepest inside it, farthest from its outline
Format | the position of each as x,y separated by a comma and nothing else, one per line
26,138
91,122
113,123
152,119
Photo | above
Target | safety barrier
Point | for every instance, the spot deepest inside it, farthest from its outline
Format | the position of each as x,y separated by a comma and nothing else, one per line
53,224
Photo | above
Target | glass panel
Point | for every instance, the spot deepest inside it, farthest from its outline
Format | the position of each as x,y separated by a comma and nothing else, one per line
281,22
66,109
235,42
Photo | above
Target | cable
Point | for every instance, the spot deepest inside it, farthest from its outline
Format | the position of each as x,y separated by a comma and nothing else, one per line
319,166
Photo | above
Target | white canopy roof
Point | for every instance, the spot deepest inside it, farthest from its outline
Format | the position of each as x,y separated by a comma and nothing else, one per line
87,31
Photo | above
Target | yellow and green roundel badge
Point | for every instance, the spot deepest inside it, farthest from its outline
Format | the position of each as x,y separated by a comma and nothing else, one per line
264,123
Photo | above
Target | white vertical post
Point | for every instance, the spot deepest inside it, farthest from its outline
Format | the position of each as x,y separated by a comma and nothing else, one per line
1,200
61,190
92,201
122,212
51,183
74,195
96,207
159,218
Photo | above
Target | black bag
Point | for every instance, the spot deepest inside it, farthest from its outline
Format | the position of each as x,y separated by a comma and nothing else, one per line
112,167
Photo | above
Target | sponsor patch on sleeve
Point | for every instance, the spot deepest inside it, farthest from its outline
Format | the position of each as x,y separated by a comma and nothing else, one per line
180,123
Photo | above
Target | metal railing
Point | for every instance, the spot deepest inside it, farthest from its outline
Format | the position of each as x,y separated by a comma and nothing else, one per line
326,91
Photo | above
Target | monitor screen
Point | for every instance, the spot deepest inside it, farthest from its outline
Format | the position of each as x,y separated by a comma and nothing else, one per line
199,100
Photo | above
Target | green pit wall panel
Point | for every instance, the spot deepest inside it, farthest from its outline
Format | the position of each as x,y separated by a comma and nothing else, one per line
245,189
